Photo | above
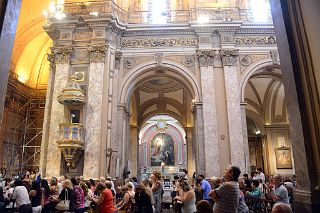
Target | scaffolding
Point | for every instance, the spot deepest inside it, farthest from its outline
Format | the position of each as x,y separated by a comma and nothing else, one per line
21,128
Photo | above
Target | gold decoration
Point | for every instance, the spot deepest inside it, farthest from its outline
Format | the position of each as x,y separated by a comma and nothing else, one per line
72,94
71,142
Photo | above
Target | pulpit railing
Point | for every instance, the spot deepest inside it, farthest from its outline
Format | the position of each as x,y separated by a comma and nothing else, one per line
71,133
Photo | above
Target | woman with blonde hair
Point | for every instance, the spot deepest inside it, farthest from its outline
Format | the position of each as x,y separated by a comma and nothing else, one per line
67,194
157,190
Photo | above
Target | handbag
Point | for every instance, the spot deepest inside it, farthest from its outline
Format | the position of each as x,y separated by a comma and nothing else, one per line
64,205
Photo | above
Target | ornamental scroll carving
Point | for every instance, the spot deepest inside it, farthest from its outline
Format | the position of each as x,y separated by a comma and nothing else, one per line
206,57
62,54
51,59
229,56
97,53
159,42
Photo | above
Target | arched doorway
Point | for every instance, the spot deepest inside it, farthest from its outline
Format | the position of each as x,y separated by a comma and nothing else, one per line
267,121
162,146
159,91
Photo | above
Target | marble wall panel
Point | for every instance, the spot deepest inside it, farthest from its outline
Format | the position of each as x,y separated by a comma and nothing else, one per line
234,117
211,138
93,121
57,117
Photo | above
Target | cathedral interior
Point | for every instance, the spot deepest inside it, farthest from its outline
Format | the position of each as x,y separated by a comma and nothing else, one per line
113,87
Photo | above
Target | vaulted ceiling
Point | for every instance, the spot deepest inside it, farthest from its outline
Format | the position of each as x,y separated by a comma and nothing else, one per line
161,94
264,94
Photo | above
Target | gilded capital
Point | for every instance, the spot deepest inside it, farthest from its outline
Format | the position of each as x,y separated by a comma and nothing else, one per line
206,57
62,54
97,53
229,56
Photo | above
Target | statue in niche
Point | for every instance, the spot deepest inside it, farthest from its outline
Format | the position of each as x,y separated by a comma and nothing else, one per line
162,150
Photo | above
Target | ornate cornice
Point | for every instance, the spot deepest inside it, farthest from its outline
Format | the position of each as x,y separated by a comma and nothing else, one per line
254,40
206,57
97,53
62,54
159,42
229,56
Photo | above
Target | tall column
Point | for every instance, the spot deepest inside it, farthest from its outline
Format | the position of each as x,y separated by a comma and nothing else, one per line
229,59
95,121
134,151
190,154
47,116
7,35
245,138
62,59
198,141
211,139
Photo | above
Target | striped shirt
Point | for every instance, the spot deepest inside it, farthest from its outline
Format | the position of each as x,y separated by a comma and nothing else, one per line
228,198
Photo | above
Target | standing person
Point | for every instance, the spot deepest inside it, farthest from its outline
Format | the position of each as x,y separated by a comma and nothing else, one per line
1,199
142,200
145,183
187,196
157,190
260,175
105,200
35,196
79,196
184,176
68,193
21,195
206,187
226,197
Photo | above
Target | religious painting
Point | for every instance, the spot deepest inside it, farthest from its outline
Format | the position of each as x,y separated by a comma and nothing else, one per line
162,150
283,158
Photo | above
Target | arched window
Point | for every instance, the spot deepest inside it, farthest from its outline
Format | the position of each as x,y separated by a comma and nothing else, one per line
159,10
260,10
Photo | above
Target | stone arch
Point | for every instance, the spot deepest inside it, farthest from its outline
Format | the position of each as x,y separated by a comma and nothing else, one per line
140,72
249,71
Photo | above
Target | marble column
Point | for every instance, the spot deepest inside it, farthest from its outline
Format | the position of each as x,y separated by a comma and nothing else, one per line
134,151
7,35
190,153
199,138
211,139
229,60
47,116
245,138
94,113
62,56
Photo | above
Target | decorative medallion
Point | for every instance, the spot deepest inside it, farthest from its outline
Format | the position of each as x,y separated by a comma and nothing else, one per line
129,62
162,125
246,60
188,60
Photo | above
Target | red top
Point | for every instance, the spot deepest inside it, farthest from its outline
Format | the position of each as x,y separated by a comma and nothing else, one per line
107,205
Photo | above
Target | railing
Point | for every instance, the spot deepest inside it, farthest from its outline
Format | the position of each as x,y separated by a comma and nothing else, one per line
109,8
71,132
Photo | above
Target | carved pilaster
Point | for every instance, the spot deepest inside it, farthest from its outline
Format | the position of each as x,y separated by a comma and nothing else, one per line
206,57
62,54
229,56
97,53
117,58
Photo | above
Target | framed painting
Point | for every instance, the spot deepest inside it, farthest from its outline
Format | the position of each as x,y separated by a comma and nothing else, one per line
283,158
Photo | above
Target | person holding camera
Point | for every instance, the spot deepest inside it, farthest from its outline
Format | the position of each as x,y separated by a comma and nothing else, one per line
187,197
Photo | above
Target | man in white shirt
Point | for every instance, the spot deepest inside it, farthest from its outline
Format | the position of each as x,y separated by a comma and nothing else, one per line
21,195
277,192
260,175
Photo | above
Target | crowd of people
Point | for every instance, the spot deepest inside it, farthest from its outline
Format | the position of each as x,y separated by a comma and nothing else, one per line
230,193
